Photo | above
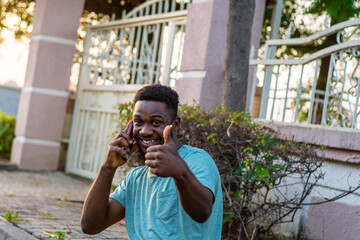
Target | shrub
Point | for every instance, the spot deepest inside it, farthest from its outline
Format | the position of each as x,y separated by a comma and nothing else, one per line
257,169
125,113
7,134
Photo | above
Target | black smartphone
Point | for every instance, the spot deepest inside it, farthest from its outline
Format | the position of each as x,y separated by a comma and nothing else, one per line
130,133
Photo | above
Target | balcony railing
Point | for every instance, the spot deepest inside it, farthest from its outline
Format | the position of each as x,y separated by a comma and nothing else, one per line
292,90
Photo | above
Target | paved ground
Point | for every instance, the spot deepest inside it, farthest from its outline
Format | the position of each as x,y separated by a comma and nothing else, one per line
47,202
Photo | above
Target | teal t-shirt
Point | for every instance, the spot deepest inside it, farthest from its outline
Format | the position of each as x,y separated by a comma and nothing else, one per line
152,206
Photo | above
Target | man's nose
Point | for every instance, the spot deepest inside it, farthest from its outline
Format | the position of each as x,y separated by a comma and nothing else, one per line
146,130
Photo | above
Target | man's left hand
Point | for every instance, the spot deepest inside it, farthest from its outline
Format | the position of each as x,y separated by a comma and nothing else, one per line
164,160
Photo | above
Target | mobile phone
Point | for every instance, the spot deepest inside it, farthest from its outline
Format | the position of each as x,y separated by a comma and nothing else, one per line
130,133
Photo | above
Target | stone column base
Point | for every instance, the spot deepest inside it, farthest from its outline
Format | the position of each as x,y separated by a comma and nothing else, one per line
33,154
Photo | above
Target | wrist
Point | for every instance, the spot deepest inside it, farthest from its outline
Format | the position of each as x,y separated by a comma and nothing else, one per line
183,175
108,168
112,161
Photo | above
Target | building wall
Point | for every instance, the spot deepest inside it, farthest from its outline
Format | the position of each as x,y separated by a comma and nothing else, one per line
336,219
9,99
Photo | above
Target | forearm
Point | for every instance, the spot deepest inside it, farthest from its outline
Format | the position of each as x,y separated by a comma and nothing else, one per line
195,198
95,209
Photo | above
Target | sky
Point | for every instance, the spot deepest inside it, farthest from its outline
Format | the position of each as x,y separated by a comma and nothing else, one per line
13,61
13,54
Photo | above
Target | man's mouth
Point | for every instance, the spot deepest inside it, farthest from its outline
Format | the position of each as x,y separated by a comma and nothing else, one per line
149,142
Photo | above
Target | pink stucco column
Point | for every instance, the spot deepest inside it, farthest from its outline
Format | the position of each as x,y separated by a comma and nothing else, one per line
203,61
42,105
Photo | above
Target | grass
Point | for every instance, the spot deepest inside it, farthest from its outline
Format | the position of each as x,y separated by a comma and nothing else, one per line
47,217
11,217
56,234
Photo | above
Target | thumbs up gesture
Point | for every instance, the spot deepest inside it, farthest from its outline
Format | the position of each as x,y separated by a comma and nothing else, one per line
164,160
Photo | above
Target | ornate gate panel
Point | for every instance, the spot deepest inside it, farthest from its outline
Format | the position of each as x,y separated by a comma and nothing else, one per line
120,57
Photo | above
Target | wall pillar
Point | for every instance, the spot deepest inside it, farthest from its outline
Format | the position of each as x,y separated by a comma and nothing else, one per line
43,100
203,61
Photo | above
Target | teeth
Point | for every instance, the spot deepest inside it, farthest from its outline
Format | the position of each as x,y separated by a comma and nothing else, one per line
148,141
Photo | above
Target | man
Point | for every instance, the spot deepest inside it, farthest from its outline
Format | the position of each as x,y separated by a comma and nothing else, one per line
176,194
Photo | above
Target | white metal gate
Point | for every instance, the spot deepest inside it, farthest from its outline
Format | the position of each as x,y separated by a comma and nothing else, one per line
120,57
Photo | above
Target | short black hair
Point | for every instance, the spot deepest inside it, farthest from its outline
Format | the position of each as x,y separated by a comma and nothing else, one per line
159,93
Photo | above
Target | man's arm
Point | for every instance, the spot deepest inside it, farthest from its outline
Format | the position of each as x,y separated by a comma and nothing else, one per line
165,161
100,211
195,198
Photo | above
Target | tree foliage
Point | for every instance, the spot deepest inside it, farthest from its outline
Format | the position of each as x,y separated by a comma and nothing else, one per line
111,7
338,11
15,18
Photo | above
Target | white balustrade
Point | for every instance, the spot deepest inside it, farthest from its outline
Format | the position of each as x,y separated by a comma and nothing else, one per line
289,85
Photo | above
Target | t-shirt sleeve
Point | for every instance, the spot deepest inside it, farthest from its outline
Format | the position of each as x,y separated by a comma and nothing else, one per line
204,169
120,192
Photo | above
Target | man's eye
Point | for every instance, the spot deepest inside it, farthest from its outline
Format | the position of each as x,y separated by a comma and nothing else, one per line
137,121
156,122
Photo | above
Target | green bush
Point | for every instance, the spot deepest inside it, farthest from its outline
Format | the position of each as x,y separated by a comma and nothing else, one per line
258,170
7,134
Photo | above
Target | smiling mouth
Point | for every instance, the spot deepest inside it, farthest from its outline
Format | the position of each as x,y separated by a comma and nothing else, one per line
149,142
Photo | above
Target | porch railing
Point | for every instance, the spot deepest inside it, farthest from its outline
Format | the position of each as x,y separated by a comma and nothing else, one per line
291,91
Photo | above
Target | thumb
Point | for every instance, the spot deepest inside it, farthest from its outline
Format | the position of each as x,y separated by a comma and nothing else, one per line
168,135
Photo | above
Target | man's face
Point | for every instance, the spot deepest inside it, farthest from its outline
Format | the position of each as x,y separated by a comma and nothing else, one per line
150,118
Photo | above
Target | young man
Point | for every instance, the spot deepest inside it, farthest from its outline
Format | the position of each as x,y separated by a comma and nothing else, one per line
176,194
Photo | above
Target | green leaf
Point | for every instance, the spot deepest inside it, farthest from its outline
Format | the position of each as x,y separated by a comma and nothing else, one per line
266,180
239,169
263,173
278,166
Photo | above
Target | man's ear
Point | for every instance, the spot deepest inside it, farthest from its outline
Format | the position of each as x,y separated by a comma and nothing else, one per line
176,123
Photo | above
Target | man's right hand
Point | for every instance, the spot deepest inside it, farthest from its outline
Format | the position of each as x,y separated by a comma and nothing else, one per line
100,211
118,148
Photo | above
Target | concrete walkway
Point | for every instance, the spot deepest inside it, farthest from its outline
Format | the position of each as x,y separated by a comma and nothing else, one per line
46,202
